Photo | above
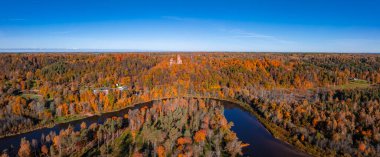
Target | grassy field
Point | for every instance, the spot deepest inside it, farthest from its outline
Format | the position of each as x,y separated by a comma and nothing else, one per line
354,84
31,96
58,120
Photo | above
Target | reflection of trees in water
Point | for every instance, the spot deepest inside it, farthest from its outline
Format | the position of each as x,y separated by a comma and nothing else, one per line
187,127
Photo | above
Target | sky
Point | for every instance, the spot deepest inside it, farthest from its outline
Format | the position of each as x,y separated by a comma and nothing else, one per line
192,25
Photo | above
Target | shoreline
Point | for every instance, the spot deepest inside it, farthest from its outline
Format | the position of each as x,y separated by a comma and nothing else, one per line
274,130
69,119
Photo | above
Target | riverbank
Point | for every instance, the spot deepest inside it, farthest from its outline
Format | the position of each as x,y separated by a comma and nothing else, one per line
282,134
71,118
274,130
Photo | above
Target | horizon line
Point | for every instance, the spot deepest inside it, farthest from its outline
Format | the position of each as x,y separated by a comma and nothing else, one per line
94,50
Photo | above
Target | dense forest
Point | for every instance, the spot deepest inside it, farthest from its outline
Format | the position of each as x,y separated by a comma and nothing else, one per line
324,104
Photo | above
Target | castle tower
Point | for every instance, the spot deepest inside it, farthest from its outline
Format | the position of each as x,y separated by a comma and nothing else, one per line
179,60
171,62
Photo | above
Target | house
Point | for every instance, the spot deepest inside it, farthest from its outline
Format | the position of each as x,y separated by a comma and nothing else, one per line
353,79
101,90
122,88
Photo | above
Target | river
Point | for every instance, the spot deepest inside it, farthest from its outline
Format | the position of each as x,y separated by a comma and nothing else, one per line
246,126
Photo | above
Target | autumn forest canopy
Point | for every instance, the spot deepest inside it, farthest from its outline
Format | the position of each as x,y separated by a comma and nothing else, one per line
322,104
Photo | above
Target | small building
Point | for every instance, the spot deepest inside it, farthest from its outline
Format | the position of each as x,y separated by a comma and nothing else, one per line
353,79
122,88
101,90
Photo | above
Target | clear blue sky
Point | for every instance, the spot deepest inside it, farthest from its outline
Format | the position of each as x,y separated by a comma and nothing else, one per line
192,25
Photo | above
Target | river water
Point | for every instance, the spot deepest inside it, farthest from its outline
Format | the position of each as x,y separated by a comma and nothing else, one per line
246,126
